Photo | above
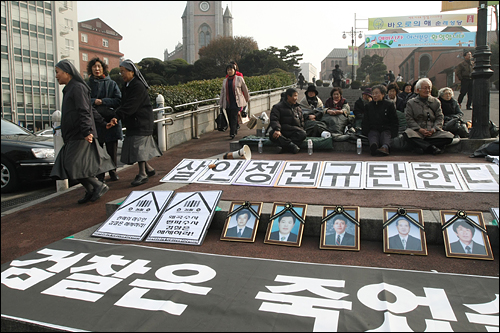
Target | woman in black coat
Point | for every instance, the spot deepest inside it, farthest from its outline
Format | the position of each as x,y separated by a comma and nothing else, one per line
380,122
81,157
105,97
136,113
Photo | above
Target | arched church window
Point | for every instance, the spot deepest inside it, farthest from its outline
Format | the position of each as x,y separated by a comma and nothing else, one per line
205,34
424,65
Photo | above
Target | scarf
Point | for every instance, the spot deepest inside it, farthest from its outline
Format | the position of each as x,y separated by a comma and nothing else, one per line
233,78
128,64
66,66
332,105
313,101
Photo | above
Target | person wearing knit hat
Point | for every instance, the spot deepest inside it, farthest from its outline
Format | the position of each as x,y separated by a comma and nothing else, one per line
81,157
359,106
136,113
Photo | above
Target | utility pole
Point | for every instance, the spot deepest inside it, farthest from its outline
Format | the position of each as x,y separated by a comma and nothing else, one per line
480,76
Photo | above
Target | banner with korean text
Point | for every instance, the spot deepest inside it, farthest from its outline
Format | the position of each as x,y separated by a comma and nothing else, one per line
78,285
422,21
422,39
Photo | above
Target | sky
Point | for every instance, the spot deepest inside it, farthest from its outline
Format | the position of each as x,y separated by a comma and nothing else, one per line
316,27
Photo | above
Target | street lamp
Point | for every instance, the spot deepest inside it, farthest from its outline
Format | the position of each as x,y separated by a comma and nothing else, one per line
352,33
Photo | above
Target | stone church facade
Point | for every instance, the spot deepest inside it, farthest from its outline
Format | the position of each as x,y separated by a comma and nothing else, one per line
202,22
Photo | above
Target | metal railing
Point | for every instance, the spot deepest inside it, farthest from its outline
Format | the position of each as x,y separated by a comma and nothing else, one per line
164,119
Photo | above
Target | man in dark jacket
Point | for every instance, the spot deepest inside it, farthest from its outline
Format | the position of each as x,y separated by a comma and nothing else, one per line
287,127
464,72
337,76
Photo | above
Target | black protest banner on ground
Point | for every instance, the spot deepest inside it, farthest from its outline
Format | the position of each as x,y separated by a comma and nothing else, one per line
95,286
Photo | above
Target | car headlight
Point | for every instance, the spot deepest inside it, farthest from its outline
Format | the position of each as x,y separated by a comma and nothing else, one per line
43,152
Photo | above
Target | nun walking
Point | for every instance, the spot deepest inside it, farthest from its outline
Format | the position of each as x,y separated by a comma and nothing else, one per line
81,157
136,114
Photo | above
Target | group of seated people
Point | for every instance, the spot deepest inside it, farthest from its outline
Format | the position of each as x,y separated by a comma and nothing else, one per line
381,114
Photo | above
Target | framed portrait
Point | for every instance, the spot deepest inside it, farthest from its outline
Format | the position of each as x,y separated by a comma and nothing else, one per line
465,235
242,222
286,224
404,231
340,228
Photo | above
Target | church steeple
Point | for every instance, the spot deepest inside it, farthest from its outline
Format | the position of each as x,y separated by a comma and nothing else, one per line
228,23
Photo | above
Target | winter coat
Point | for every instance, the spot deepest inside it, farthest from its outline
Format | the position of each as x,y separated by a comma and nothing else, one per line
78,118
359,108
286,118
341,105
240,90
399,103
106,90
464,70
380,116
136,110
425,114
450,108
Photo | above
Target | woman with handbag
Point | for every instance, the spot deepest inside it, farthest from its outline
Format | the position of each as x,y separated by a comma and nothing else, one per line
233,96
105,97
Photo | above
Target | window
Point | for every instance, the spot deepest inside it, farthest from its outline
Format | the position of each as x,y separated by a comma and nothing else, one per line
424,65
70,44
85,57
106,60
68,23
85,38
204,35
105,42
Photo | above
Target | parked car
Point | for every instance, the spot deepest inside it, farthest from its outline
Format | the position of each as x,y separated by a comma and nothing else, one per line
25,156
49,133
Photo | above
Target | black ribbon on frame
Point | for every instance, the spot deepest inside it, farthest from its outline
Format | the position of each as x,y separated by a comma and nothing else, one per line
401,212
340,210
246,205
461,214
288,208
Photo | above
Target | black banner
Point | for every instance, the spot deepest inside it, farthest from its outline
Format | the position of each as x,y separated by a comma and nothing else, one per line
85,285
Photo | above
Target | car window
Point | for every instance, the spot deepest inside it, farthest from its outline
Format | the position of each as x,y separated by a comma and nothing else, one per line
9,128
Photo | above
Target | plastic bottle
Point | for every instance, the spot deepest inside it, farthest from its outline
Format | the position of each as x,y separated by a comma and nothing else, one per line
309,147
263,131
359,146
260,146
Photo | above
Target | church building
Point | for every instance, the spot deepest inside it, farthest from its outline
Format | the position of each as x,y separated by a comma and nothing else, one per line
202,22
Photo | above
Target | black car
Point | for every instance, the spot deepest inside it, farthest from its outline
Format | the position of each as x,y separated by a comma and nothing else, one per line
25,156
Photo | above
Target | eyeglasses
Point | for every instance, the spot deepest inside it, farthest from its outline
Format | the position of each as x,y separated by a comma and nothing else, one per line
425,88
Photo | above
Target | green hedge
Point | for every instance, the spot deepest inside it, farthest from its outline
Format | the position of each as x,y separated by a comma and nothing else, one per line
209,89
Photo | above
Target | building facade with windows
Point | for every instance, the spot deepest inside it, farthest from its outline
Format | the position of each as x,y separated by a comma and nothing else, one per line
35,36
202,22
97,39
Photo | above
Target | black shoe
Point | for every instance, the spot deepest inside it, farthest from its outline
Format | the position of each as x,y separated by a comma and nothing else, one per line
151,173
232,136
86,198
435,150
373,149
100,177
113,176
280,150
99,192
293,148
469,108
384,151
139,180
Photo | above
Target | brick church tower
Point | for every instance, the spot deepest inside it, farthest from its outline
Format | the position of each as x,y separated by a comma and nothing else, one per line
202,22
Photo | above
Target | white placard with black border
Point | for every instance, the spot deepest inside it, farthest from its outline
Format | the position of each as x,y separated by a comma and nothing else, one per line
135,216
186,219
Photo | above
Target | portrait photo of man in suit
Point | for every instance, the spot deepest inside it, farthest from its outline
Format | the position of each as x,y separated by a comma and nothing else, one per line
286,223
465,243
340,237
241,230
403,240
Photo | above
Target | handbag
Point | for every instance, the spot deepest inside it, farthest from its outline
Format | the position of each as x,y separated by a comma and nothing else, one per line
221,121
252,123
106,112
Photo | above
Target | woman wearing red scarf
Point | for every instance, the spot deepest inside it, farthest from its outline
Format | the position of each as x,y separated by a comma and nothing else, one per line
233,96
336,116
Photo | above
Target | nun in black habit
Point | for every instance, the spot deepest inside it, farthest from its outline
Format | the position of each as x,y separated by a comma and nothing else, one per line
136,114
81,157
